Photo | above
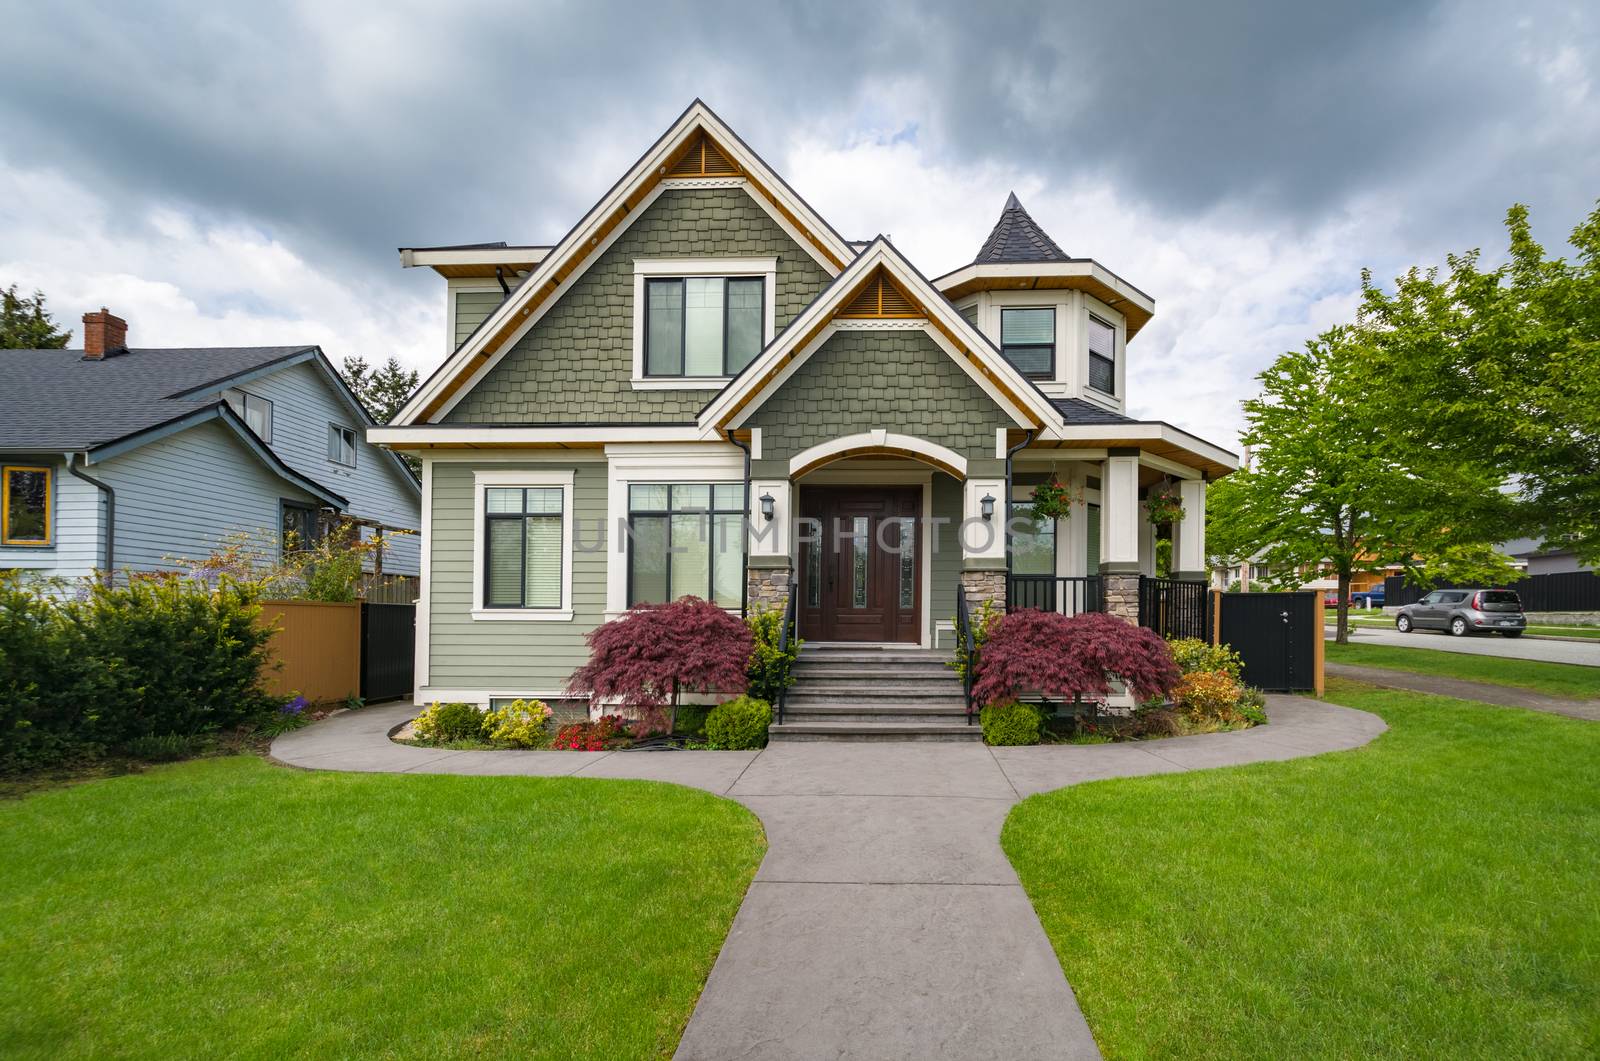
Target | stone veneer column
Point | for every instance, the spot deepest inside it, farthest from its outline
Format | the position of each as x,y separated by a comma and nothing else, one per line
767,583
1122,595
985,584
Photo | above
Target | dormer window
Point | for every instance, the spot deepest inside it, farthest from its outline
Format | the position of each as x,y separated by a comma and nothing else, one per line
1028,340
702,325
1102,356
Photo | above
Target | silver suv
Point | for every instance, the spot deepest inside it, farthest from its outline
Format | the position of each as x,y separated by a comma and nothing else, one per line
1465,611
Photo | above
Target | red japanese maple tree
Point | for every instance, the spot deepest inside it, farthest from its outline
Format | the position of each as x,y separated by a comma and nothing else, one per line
645,658
1060,657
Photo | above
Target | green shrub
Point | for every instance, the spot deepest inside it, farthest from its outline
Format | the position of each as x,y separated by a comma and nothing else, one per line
691,719
984,619
521,724
447,722
1193,655
165,748
1006,725
1252,706
106,665
738,724
769,669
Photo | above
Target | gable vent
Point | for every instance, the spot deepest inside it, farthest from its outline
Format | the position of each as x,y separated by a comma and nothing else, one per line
881,297
703,159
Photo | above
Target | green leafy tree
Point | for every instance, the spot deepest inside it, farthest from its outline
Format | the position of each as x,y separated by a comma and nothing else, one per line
26,325
383,391
1330,484
1502,366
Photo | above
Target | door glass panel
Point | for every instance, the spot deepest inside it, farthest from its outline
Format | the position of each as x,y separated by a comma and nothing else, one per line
908,563
858,562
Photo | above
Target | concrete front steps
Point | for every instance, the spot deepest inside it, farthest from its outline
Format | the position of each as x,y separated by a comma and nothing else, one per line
850,693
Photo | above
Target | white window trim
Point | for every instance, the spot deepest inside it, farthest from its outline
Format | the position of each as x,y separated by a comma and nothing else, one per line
482,480
336,428
766,268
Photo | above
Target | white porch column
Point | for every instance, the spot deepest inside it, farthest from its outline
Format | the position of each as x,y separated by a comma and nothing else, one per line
1120,533
1119,508
1189,547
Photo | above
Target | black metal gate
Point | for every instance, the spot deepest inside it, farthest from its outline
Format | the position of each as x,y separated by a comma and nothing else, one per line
1275,634
388,650
1174,608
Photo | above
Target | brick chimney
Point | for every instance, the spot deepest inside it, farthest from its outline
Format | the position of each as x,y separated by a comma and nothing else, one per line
104,333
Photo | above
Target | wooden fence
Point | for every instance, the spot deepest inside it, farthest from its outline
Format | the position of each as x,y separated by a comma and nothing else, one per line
316,649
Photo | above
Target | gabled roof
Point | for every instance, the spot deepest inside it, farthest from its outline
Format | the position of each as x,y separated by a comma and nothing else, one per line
56,400
1017,237
882,263
589,238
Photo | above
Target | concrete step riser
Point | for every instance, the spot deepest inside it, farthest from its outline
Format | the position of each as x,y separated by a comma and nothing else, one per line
873,737
832,713
863,675
873,692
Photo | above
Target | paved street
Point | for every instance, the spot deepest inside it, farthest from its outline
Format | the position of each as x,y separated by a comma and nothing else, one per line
1481,645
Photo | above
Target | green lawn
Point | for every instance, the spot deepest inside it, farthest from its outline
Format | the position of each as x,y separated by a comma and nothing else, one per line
1387,623
227,907
1430,895
1552,679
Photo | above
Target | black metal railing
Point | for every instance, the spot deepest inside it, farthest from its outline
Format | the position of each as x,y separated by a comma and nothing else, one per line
1067,594
967,645
1175,608
783,640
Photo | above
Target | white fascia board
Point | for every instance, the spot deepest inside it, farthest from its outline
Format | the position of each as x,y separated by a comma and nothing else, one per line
411,259
585,235
480,435
1152,432
1084,267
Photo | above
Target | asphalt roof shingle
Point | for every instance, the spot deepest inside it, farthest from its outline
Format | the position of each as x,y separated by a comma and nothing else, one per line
1078,411
1017,237
55,400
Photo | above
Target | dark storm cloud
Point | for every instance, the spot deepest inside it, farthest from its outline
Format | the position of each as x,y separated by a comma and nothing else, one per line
347,131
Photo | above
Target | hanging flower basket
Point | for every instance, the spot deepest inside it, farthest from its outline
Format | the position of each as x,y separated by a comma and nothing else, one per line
1164,504
1052,501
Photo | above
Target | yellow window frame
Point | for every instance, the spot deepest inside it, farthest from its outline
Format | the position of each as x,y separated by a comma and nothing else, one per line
5,506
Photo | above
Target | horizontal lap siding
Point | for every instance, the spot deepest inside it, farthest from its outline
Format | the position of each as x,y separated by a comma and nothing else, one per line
76,526
509,656
183,496
947,556
471,308
304,404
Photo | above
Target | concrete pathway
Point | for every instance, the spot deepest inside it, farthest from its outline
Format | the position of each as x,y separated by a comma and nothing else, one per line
1482,692
885,921
1585,654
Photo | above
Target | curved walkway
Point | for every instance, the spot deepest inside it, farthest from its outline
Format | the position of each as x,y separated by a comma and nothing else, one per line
885,921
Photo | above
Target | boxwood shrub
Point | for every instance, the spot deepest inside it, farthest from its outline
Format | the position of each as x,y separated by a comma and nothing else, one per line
1010,724
738,724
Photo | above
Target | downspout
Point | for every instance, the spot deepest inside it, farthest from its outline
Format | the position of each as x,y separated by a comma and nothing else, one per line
744,551
1007,530
111,516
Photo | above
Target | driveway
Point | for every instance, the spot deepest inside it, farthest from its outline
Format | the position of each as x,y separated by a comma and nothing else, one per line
885,921
1481,645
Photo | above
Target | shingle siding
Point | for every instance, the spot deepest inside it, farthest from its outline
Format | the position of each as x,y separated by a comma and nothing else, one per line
865,380
576,363
510,657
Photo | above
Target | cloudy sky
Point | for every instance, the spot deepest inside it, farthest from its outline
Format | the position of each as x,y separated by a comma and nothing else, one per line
240,174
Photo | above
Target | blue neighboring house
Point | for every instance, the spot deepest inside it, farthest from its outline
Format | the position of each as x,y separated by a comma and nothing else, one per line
123,459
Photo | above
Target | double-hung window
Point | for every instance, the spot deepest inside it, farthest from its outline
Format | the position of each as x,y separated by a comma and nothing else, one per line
686,539
702,326
1102,356
524,546
255,411
342,445
1028,340
25,505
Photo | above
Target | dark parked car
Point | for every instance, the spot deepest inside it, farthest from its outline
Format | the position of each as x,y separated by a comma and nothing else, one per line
1465,611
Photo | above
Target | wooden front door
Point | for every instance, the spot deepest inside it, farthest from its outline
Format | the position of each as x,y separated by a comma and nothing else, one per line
860,564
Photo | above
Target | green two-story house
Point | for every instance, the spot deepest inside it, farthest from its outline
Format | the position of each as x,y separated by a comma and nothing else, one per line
703,388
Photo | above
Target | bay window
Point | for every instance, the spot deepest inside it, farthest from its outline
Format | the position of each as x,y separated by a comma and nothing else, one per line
686,539
1028,340
1102,356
